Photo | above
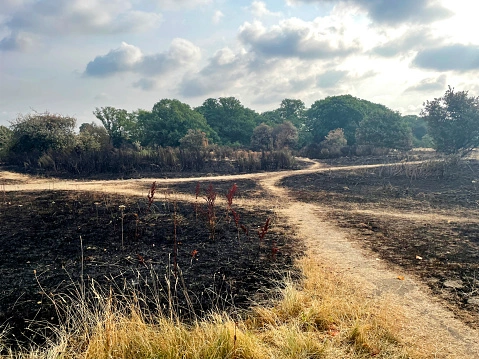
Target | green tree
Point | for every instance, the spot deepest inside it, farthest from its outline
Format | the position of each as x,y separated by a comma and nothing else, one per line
233,122
169,121
262,138
120,124
40,132
92,137
271,118
334,112
293,111
453,121
419,130
386,129
6,136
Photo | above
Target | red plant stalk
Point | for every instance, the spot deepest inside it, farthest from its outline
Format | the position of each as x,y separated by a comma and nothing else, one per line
229,201
262,233
151,194
245,230
197,190
236,217
263,230
274,251
231,194
211,211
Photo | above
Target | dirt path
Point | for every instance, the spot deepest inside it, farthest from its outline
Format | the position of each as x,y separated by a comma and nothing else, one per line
428,324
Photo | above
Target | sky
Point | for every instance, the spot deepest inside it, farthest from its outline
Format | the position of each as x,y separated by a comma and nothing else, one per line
71,56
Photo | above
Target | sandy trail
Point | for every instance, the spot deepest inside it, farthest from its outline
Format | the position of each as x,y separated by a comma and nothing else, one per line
427,322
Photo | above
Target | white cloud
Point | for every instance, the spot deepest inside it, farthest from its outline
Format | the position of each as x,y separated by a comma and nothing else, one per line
16,42
393,12
454,57
59,18
218,15
411,39
297,38
225,70
259,9
145,84
429,84
121,59
177,4
129,58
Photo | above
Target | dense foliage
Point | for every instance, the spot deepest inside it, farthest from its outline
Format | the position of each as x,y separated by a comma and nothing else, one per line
384,129
233,122
334,112
175,137
453,121
168,122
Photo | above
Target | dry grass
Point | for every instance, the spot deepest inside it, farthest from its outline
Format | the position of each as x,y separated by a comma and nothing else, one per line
324,317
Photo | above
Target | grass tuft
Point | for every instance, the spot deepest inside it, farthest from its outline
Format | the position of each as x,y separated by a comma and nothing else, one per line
323,316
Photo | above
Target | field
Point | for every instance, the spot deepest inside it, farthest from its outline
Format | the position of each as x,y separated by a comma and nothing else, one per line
52,240
423,218
186,250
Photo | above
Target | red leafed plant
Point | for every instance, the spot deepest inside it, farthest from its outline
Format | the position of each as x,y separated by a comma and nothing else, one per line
236,217
151,194
263,230
211,210
231,194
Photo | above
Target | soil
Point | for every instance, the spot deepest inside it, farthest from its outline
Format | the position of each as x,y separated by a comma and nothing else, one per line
52,240
427,224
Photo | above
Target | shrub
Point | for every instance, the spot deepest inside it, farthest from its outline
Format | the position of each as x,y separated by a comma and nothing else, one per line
333,143
39,132
194,140
262,138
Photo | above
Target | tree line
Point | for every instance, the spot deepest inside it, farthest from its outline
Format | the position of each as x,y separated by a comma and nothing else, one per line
187,138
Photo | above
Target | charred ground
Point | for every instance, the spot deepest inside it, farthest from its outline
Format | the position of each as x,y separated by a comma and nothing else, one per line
51,241
423,218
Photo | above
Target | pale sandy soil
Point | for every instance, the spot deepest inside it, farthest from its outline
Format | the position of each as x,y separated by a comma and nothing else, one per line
428,326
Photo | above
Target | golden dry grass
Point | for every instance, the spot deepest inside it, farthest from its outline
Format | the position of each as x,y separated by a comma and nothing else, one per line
323,316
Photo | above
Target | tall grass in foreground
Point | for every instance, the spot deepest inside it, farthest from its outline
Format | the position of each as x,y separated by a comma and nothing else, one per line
324,316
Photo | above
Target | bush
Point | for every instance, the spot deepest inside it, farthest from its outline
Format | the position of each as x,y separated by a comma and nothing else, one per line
35,134
194,140
262,138
333,143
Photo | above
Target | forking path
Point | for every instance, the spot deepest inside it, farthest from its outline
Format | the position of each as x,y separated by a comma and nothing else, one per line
427,321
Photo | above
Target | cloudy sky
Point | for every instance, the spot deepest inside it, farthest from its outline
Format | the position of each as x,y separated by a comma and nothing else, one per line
70,56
